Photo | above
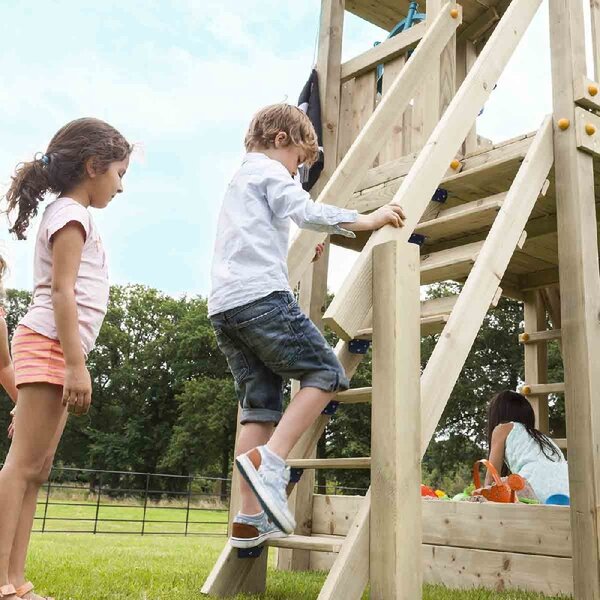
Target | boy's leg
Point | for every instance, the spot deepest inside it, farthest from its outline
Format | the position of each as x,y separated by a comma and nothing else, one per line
303,411
251,435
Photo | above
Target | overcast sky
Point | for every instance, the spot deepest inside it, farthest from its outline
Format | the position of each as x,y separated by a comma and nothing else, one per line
182,79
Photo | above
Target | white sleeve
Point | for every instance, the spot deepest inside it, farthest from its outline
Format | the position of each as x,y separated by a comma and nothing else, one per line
286,198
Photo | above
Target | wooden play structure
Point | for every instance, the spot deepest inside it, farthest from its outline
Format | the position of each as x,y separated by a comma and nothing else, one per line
517,218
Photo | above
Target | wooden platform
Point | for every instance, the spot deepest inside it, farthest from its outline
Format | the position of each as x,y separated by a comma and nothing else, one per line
479,16
475,194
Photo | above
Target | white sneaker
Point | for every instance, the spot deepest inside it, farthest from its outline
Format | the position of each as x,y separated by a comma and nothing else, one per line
268,476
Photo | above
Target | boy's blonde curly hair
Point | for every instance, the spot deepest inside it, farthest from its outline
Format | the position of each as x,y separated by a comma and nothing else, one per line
270,120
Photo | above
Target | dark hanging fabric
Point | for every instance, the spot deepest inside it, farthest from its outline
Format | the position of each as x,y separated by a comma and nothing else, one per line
310,103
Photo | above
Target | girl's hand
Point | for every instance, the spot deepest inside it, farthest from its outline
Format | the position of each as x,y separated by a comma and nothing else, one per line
318,252
77,390
390,214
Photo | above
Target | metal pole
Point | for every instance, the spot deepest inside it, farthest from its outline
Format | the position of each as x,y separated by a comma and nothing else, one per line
187,512
49,484
98,504
145,502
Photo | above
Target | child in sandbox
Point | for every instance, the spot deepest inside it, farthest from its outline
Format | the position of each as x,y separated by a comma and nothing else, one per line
258,324
517,446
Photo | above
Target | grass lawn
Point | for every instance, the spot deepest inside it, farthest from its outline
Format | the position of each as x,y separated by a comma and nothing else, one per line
109,567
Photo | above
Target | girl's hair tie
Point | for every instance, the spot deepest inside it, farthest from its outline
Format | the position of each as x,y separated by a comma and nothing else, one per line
45,160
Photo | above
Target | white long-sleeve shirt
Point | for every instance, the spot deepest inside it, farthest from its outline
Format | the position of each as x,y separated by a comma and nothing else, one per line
250,256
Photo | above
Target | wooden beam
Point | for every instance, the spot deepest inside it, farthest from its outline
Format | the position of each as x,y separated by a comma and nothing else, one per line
587,128
542,389
308,543
451,351
536,357
587,92
542,529
580,298
468,568
330,463
353,301
361,155
388,50
540,337
395,448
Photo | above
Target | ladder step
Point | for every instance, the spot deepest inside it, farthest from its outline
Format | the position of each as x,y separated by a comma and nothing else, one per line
537,337
330,463
454,263
355,396
541,389
461,220
434,316
429,326
309,542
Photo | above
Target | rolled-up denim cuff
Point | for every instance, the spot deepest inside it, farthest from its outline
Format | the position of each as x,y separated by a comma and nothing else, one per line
259,415
326,380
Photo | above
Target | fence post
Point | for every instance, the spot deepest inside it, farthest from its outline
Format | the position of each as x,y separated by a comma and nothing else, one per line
189,498
145,502
48,484
98,504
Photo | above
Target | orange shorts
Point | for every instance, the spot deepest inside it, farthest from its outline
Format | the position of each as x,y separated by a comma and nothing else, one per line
37,359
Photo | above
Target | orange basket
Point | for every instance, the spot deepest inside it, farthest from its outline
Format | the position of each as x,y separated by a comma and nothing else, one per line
499,491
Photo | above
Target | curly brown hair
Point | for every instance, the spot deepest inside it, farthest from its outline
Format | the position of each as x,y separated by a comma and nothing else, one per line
271,120
62,166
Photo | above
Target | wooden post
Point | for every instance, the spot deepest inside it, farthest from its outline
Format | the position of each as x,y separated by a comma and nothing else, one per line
580,298
536,356
595,18
395,525
466,55
313,286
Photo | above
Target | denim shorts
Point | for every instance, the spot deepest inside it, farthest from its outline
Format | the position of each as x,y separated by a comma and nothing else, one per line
267,342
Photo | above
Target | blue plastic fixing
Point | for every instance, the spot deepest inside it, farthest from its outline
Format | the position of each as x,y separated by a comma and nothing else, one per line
441,195
416,238
250,552
359,346
331,408
295,474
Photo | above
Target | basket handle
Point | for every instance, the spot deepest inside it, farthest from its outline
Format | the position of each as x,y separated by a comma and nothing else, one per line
491,469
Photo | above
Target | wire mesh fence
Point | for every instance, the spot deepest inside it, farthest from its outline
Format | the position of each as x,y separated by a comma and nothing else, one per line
125,502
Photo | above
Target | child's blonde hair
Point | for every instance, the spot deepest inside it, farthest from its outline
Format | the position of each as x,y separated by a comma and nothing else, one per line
271,120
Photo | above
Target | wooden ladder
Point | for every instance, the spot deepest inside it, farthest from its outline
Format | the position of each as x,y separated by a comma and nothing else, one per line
380,301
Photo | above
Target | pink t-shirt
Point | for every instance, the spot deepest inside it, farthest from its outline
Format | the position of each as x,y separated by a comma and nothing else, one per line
91,286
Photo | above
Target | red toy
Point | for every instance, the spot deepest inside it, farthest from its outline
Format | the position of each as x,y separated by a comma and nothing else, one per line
499,491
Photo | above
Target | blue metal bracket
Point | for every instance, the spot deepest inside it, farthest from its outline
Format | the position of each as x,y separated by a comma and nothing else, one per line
250,552
359,346
416,238
440,195
331,408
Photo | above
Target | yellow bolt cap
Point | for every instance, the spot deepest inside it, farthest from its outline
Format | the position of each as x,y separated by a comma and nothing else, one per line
526,390
590,129
564,124
524,337
454,13
593,89
455,164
